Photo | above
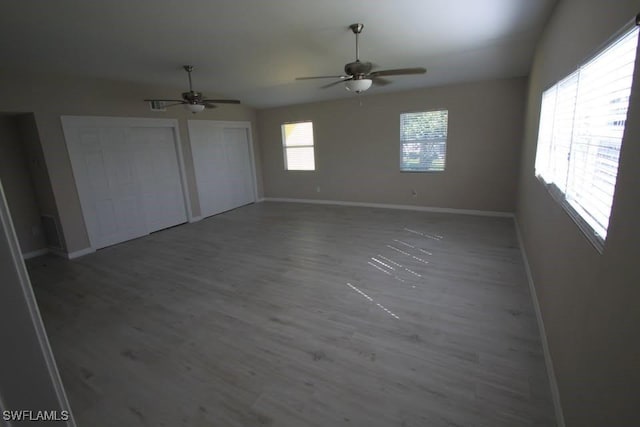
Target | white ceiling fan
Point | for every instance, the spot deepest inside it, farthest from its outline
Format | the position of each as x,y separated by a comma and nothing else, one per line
193,101
358,76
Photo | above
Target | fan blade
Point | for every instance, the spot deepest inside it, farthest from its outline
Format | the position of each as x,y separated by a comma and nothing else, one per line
210,106
379,81
165,100
322,77
221,101
336,83
398,72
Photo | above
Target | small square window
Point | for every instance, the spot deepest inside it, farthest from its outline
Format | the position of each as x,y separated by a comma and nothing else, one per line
423,141
297,143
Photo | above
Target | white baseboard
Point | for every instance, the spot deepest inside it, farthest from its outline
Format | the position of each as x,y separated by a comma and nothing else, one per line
553,383
58,252
72,255
81,252
34,254
391,206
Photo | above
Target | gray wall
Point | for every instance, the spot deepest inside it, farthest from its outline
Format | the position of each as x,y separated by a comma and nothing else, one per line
589,301
49,96
357,148
17,183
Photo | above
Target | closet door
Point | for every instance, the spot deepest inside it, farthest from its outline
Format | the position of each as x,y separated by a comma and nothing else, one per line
114,210
223,165
159,176
127,174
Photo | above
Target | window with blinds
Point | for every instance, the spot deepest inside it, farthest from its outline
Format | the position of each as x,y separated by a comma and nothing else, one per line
297,142
423,141
582,122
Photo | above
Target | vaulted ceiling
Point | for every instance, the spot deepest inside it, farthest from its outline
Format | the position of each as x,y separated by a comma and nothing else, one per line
252,50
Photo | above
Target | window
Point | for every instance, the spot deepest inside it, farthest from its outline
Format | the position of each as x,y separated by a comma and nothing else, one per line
297,141
423,141
582,121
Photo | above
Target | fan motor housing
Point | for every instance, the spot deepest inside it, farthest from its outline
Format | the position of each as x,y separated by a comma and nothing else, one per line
357,67
192,96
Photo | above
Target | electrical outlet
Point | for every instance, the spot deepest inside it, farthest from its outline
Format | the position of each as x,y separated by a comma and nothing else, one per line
317,188
414,193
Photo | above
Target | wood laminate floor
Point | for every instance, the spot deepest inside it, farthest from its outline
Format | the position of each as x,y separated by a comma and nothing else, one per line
282,314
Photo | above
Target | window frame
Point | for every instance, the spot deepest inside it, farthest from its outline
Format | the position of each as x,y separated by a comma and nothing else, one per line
446,139
559,195
285,146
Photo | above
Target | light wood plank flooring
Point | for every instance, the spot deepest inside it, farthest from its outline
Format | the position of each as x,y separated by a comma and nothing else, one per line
282,314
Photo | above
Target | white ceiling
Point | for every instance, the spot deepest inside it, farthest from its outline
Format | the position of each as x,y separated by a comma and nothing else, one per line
252,50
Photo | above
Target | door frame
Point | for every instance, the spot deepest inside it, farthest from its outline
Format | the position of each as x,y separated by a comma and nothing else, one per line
39,366
72,122
246,125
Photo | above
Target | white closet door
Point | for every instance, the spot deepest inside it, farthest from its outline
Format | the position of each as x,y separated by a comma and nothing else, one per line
223,165
238,155
128,176
115,209
159,176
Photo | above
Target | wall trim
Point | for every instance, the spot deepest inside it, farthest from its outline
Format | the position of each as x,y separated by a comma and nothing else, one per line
34,254
8,233
81,252
72,255
196,218
553,383
392,206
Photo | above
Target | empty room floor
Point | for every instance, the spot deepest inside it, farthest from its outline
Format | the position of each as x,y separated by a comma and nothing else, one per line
283,314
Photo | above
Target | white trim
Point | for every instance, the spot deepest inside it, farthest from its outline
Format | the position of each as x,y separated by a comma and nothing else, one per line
182,169
239,124
107,121
81,252
587,230
392,206
34,254
72,255
58,252
553,383
253,162
8,231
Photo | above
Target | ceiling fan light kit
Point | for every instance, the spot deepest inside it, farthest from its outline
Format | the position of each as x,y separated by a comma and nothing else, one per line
358,85
192,101
358,76
194,108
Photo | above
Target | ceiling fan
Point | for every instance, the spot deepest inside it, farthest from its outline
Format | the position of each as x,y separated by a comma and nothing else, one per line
358,76
193,101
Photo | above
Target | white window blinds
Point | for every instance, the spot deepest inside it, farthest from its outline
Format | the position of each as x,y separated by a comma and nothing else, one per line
297,141
582,122
423,141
